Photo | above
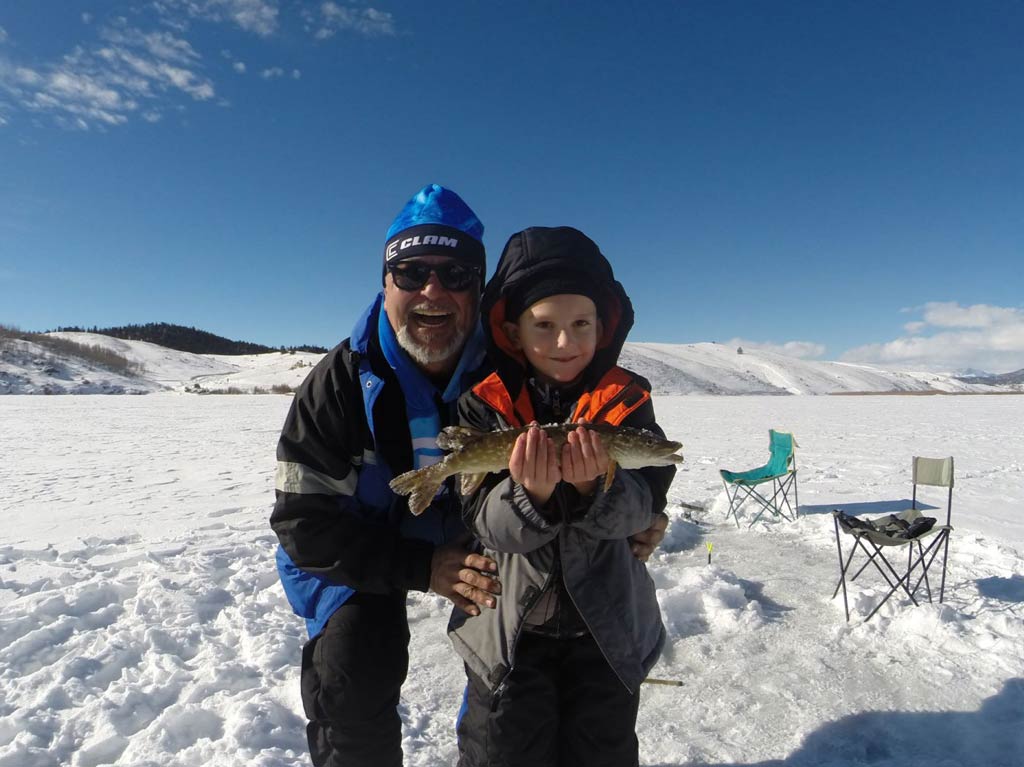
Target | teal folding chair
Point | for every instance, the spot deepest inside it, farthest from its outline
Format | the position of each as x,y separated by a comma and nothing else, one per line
780,472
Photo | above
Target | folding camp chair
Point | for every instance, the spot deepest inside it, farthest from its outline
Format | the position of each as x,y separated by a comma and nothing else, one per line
780,471
908,528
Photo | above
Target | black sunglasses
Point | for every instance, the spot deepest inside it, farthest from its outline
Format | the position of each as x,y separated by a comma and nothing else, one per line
413,275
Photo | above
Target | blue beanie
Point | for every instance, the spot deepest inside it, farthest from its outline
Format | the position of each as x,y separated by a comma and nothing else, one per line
436,222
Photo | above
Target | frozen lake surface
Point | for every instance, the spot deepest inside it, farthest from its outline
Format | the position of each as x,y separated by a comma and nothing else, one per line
141,622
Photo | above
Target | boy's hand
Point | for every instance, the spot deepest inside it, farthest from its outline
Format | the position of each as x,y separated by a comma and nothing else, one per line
534,465
584,460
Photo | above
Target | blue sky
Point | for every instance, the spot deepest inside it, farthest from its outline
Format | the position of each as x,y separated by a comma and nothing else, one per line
841,180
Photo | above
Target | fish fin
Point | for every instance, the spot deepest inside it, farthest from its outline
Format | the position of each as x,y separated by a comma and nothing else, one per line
420,485
609,475
470,483
457,437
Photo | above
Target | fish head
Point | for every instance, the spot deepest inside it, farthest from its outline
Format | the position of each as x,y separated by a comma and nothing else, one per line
639,448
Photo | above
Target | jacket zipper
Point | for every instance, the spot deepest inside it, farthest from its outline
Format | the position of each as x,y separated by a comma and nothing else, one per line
503,684
591,631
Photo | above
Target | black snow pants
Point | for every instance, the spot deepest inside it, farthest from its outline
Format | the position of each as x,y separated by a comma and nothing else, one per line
563,706
352,674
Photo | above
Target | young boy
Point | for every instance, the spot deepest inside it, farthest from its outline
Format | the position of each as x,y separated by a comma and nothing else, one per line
554,671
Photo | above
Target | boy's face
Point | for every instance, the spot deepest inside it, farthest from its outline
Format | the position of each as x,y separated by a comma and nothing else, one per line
558,335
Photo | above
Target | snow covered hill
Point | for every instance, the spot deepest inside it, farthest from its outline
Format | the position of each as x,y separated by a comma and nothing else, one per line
709,368
703,368
27,368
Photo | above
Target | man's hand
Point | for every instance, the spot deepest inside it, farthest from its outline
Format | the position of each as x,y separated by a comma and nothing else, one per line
645,542
458,575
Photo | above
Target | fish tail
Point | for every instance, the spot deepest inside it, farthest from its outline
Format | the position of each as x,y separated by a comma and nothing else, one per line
420,485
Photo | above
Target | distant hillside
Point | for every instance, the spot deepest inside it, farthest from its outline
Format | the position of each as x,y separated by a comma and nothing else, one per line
37,366
34,363
1004,379
183,339
708,368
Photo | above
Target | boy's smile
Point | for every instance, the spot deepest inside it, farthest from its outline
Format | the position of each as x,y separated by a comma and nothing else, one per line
558,335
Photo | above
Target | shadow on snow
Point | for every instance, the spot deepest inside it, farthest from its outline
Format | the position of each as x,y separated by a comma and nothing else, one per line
1006,589
992,736
867,507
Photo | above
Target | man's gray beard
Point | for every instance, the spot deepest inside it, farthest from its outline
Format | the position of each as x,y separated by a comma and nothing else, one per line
426,355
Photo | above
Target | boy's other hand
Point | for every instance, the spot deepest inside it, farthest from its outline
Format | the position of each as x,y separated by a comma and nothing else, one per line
645,542
534,465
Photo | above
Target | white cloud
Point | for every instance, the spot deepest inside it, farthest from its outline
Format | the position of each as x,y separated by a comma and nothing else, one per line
239,66
365,21
3,35
799,349
273,72
296,74
27,76
258,16
106,84
87,18
980,336
952,315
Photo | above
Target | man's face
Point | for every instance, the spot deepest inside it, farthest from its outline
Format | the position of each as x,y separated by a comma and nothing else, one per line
431,323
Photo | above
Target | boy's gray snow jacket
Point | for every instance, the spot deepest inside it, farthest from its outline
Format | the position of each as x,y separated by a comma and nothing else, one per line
582,541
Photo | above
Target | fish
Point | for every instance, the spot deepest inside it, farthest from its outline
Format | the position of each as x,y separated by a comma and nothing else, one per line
473,454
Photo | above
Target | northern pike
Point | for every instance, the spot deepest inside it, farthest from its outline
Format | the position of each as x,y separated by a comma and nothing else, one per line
474,454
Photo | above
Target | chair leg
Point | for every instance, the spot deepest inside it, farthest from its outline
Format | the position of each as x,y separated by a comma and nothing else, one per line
796,496
871,559
785,485
842,570
901,581
924,574
751,493
733,509
945,555
769,504
777,503
933,550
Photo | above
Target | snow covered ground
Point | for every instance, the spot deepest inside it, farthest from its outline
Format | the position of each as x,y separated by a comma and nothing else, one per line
141,622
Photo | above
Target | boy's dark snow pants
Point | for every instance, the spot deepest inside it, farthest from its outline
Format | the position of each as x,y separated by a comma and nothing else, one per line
563,707
352,674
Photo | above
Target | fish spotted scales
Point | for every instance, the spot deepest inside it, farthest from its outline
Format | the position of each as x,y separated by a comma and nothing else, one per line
474,454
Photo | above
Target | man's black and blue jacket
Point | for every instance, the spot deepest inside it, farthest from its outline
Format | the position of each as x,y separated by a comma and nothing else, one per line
341,527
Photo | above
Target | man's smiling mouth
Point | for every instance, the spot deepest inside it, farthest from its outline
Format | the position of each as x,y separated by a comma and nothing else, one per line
431,317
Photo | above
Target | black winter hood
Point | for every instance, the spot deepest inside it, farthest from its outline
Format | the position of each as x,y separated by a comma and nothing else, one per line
539,254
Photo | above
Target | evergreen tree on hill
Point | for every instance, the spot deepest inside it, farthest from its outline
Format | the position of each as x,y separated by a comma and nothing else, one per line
188,339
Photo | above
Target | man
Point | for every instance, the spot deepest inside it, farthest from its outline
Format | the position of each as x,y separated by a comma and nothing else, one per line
350,549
